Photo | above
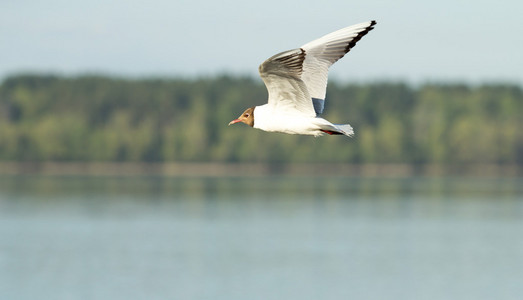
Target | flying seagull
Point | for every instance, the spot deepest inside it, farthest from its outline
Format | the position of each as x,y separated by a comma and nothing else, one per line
297,81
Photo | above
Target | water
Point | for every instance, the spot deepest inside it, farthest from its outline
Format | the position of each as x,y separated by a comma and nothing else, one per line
260,238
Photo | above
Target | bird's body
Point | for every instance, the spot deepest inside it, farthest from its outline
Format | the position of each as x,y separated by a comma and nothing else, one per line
297,80
269,119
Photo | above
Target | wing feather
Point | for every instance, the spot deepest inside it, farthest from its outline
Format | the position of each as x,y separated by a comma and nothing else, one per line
281,74
297,79
325,51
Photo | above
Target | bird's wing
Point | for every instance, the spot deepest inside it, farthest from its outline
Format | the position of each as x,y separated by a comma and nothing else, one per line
297,79
321,53
281,74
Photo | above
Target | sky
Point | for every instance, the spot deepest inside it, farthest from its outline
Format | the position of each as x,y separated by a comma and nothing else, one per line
470,41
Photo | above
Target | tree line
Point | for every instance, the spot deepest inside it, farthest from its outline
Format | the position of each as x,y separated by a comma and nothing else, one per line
99,118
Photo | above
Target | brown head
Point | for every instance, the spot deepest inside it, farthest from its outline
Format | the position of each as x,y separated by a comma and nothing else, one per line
247,117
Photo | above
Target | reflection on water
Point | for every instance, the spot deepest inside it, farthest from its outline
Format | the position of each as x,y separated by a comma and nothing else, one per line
260,238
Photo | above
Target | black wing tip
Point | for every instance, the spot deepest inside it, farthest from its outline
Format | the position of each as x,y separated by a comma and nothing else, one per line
352,43
371,26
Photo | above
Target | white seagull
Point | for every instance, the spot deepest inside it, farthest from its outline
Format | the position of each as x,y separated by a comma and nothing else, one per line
297,81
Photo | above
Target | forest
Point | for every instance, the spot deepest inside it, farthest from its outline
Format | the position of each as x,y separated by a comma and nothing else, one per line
109,119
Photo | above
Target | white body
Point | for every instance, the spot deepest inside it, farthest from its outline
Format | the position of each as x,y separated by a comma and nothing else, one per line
269,119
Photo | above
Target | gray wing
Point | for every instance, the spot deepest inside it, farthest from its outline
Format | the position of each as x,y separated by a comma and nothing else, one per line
281,74
297,79
323,53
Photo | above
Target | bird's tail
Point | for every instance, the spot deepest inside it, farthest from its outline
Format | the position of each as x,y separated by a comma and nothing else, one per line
339,129
345,129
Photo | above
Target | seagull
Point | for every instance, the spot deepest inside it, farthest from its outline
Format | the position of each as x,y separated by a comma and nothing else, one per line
296,81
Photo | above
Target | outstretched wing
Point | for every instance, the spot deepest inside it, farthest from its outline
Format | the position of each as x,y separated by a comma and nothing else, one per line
281,74
323,53
297,79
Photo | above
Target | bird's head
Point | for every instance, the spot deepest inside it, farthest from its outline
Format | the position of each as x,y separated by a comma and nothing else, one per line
247,117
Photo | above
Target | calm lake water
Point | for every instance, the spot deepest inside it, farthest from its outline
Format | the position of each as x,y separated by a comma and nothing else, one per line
260,238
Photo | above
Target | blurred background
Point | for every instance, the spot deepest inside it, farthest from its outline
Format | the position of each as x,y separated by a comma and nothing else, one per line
120,179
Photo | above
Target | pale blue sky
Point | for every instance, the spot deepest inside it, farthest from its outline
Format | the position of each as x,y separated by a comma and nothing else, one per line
470,41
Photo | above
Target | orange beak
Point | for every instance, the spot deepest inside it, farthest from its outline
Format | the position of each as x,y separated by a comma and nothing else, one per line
234,121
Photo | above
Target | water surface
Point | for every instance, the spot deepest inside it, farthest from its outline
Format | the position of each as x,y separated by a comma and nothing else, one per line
260,238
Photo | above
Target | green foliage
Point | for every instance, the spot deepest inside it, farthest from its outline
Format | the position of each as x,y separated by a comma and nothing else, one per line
93,118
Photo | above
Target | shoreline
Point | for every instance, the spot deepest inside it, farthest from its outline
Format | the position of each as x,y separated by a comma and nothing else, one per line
217,169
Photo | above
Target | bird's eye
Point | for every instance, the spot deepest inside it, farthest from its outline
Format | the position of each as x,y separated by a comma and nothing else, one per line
246,115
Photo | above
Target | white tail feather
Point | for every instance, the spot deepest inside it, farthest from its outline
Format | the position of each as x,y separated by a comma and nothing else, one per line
346,129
